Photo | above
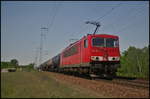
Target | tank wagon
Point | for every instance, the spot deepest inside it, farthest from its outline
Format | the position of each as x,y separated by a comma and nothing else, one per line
97,54
51,64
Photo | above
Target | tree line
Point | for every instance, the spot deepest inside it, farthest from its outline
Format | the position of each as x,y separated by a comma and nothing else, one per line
15,64
12,64
135,62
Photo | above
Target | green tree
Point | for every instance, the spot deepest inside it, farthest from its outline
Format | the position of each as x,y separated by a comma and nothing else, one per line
7,65
28,67
31,65
14,62
135,62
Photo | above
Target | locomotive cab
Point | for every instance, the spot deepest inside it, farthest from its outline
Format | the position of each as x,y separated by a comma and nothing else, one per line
105,48
104,53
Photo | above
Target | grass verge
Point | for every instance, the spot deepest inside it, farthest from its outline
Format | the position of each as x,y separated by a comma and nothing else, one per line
36,85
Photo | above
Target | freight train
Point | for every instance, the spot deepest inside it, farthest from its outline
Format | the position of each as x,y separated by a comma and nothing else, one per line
96,54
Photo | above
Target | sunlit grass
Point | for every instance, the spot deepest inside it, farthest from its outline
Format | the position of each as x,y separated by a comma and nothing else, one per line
36,85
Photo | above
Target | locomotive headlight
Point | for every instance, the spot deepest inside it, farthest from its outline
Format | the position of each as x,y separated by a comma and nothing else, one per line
92,57
113,58
96,58
118,58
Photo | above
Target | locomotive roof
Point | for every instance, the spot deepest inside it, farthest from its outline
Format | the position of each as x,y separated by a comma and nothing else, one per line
102,35
90,35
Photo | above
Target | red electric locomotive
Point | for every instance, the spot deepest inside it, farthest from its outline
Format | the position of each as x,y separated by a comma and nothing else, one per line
94,53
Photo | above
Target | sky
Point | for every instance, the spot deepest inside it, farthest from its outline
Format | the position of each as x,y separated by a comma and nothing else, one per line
21,23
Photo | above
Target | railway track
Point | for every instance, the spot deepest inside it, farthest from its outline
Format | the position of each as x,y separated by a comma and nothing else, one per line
125,81
114,88
130,83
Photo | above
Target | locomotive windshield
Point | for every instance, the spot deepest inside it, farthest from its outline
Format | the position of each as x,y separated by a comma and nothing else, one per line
105,42
98,42
110,42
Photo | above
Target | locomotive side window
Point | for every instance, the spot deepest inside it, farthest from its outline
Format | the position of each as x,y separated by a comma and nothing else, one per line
71,51
98,42
85,43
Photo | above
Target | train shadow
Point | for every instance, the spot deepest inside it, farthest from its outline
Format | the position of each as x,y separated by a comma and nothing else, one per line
125,78
87,76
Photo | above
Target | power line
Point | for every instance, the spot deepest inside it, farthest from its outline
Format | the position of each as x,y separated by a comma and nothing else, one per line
55,10
102,17
135,15
50,24
83,29
108,12
124,28
113,9
105,14
43,35
39,4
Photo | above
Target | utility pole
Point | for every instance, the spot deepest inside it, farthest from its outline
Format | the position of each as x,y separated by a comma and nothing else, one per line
41,43
94,23
36,59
